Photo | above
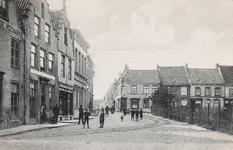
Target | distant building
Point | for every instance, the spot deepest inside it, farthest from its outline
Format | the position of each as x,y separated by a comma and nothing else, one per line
176,79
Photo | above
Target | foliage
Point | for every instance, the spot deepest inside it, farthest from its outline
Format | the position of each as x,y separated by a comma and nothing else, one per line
162,96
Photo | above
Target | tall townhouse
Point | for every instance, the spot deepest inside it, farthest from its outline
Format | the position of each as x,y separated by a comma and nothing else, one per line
176,79
80,71
41,88
12,66
227,74
65,59
206,88
90,82
135,87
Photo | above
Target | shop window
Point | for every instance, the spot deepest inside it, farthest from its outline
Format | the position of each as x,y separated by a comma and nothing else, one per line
146,103
14,100
14,53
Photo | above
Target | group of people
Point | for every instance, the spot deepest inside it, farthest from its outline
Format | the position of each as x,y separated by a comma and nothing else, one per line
84,116
136,113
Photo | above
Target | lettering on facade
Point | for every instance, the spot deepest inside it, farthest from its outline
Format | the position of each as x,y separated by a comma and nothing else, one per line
81,41
6,26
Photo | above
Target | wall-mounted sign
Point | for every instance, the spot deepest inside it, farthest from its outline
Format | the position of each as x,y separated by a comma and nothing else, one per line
8,27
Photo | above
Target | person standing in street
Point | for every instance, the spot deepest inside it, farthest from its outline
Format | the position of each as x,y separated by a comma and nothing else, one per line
80,114
55,113
86,115
107,110
141,114
102,117
132,115
137,112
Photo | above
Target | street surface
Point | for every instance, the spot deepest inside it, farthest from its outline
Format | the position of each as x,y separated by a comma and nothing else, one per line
151,133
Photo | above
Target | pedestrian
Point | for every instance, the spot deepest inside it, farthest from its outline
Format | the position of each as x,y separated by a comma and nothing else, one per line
86,115
43,115
137,112
102,117
107,110
80,114
55,113
132,115
141,114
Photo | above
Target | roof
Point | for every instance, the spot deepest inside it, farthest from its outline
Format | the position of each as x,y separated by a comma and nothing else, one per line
227,74
173,75
142,77
205,76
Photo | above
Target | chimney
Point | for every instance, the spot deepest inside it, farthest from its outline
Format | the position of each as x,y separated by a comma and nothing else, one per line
186,65
64,5
126,67
217,65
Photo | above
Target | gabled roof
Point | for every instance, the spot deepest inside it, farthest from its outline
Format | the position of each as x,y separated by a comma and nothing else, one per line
142,77
205,76
173,75
227,74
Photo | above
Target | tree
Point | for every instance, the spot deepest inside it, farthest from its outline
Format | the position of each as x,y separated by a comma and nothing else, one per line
162,96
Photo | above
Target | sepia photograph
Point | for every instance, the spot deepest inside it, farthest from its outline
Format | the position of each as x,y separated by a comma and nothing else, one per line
116,74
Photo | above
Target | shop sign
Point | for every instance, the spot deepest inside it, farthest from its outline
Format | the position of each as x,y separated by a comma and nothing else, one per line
8,27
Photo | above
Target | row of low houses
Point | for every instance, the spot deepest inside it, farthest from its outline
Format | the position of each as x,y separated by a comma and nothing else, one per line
43,62
192,87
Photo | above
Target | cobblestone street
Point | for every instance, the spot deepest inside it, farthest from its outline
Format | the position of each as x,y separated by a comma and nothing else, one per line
151,133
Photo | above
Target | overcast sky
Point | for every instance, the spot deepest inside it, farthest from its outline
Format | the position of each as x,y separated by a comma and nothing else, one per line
147,33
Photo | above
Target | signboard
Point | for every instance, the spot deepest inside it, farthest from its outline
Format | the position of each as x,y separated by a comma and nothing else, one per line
8,27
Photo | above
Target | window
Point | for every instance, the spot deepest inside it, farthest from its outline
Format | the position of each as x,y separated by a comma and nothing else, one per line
69,69
51,63
65,36
51,96
207,102
14,53
33,56
32,99
154,88
134,89
42,60
145,89
197,91
42,10
47,33
216,103
14,100
207,91
122,90
63,66
230,92
146,103
36,26
217,91
184,91
3,9
3,3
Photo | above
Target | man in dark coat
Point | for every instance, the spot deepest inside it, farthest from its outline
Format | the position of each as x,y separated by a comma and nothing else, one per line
141,114
102,116
55,112
86,115
80,114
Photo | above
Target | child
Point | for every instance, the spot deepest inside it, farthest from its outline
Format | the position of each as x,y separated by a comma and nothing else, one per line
102,116
86,115
122,118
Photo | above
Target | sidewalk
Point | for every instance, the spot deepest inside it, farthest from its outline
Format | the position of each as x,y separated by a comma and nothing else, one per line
27,128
